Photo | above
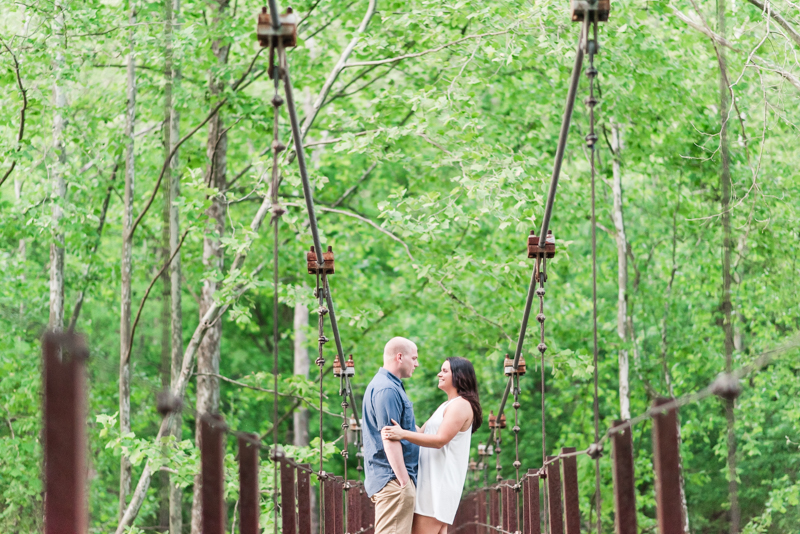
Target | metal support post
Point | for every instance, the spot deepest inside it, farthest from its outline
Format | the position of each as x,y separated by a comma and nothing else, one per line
249,502
624,489
304,500
554,496
64,384
532,522
666,461
494,507
212,453
572,511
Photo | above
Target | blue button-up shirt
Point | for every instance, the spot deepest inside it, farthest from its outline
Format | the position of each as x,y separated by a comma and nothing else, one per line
385,399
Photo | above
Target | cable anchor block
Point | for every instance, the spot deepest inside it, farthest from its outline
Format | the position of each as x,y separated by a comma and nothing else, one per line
314,267
597,10
549,250
508,366
349,367
287,30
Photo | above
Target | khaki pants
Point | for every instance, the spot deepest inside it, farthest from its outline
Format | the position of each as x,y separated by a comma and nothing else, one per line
394,508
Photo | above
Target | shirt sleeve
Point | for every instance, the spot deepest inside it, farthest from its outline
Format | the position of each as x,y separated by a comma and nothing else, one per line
388,406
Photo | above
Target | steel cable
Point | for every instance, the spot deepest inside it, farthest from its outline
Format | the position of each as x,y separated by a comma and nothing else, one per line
591,142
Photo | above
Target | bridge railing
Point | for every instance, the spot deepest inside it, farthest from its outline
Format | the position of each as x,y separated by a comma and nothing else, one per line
346,509
546,500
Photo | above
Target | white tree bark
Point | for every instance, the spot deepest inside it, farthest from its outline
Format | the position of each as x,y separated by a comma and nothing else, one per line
127,256
176,314
301,367
209,353
59,186
622,276
172,341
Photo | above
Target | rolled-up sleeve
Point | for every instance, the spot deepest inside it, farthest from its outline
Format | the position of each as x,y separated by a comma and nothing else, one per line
388,405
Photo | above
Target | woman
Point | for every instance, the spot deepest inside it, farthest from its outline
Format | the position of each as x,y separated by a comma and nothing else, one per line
444,454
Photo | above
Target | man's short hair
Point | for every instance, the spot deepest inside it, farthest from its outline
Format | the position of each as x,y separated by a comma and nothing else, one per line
398,345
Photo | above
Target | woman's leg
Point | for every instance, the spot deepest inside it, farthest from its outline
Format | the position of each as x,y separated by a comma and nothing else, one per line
424,524
443,529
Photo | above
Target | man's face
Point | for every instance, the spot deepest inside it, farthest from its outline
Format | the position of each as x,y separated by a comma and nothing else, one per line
408,362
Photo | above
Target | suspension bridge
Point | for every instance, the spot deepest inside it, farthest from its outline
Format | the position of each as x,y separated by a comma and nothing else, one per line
538,499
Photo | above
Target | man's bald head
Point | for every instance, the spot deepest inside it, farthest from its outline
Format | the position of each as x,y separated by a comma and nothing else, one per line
400,357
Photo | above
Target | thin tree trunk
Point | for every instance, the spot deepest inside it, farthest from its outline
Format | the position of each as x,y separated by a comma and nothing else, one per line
59,188
208,353
300,416
22,249
301,368
622,277
127,253
726,308
664,352
172,16
166,253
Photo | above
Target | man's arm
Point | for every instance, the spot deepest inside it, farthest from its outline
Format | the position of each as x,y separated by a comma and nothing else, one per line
455,417
394,453
388,406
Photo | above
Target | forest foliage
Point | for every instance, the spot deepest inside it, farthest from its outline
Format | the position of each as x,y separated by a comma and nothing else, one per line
428,171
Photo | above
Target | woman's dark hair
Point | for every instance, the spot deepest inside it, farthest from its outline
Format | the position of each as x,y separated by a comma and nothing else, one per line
467,386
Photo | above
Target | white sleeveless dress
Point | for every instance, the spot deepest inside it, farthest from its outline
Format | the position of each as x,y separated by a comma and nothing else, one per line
442,472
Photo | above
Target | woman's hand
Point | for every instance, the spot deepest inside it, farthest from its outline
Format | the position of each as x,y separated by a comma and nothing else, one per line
393,433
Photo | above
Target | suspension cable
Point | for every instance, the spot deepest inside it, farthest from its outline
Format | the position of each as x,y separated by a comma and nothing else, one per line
591,142
277,211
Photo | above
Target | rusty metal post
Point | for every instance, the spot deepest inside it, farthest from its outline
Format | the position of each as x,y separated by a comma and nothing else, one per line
249,502
666,460
212,453
329,504
572,511
338,511
532,522
64,409
509,508
353,511
367,511
304,500
554,496
494,507
505,505
480,511
624,488
288,499
515,520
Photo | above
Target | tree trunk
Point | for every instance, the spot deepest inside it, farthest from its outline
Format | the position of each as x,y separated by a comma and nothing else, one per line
209,351
59,189
301,367
125,291
172,130
300,416
622,277
22,249
166,252
726,308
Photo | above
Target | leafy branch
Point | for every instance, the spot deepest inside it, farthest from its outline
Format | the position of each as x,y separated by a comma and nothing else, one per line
22,111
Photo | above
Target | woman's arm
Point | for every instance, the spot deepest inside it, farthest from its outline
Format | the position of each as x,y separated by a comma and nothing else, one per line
455,417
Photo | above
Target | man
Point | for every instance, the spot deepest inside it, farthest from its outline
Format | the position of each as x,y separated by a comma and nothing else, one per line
391,466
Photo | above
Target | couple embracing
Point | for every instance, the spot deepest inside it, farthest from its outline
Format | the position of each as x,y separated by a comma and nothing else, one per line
415,475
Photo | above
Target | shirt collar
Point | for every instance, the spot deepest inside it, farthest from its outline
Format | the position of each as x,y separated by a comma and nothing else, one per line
391,377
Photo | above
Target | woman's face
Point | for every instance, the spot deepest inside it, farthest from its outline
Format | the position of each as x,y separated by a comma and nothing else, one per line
445,376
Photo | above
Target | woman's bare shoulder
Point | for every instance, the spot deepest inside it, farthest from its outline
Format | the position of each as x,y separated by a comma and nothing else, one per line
460,407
